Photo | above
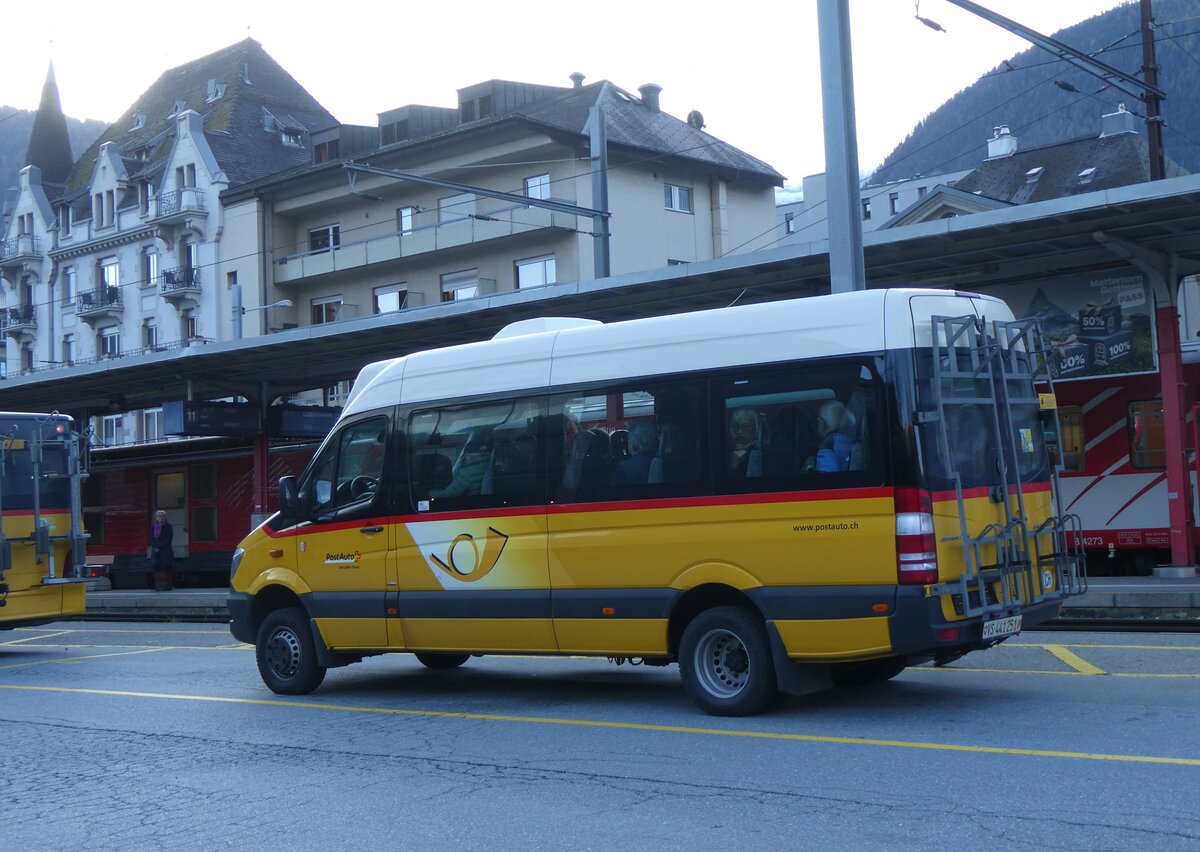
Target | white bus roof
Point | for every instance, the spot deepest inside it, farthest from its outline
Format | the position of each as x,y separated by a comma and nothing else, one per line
570,352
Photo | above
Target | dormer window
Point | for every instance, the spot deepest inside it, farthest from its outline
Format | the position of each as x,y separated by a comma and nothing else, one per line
1085,176
216,91
292,137
1033,174
179,107
137,122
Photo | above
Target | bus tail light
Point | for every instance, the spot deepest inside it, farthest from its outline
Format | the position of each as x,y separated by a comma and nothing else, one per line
916,547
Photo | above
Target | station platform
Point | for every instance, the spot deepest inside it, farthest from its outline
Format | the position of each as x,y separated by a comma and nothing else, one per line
1117,599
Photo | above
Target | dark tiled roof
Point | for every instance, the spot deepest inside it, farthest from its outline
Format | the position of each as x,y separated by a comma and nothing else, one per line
49,143
1118,160
233,123
631,123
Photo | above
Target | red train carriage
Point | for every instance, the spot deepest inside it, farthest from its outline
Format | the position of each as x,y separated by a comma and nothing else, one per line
206,487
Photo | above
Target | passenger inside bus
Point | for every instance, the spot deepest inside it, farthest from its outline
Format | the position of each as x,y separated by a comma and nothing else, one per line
470,467
835,425
643,444
745,455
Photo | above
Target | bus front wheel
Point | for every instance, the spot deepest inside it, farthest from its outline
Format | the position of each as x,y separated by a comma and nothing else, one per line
287,657
725,662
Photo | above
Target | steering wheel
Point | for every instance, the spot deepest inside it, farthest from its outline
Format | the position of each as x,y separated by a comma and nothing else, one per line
363,486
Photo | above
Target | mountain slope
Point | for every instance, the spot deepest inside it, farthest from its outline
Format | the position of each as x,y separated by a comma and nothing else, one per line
1040,113
15,127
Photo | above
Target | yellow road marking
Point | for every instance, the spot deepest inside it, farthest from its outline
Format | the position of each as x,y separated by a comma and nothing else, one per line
628,726
224,629
1074,660
1099,645
73,660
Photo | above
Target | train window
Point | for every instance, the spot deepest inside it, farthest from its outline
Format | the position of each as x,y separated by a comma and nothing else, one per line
1070,424
204,523
1146,446
169,490
204,482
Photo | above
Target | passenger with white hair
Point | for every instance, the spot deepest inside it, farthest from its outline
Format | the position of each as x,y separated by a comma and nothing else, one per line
835,425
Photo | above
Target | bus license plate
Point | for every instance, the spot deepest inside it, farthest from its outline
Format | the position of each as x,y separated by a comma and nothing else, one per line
1002,627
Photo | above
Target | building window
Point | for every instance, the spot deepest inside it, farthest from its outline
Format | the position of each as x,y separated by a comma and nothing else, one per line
68,285
893,203
66,220
457,286
789,223
866,209
537,186
68,349
535,272
397,131
102,208
404,219
152,427
145,193
27,358
110,430
323,152
110,277
191,328
1147,447
678,198
335,395
324,238
110,342
292,137
390,299
149,268
455,208
185,176
326,309
150,335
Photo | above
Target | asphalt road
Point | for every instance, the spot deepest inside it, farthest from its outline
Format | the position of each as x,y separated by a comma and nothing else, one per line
154,736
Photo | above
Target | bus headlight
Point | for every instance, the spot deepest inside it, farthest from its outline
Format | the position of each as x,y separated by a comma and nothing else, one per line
235,562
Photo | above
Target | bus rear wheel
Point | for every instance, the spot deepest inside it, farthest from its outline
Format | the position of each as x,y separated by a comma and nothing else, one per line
442,661
725,662
287,657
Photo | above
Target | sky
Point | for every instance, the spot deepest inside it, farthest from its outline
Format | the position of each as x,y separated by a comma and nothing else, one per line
751,68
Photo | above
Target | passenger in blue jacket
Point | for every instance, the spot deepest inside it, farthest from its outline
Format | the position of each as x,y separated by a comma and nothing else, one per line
835,425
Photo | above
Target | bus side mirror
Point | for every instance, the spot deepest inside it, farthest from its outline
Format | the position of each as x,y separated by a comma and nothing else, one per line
290,506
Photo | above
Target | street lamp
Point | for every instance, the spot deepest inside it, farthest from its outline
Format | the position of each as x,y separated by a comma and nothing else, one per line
239,311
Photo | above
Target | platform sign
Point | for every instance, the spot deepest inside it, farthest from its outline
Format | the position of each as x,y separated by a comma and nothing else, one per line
301,421
204,419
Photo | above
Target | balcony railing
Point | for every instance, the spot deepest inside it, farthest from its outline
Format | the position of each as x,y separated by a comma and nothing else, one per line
17,316
427,235
99,301
180,201
45,366
19,248
180,278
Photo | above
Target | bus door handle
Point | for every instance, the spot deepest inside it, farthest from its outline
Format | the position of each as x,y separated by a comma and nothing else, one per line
370,529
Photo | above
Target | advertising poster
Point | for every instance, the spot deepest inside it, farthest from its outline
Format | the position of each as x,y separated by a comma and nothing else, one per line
1099,324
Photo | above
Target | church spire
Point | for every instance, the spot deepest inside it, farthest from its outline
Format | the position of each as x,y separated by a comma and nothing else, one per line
49,145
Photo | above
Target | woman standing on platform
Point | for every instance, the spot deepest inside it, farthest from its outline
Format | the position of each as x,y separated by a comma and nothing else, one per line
160,553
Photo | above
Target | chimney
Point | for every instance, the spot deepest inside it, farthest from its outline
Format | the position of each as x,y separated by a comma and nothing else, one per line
577,79
1002,143
1121,121
650,95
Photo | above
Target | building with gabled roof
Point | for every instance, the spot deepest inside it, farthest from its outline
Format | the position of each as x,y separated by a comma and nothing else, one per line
117,253
342,241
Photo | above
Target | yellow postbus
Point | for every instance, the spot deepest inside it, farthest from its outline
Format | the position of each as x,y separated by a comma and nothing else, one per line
41,534
777,497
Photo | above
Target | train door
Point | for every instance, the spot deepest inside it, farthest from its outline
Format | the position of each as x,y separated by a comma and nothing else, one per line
169,492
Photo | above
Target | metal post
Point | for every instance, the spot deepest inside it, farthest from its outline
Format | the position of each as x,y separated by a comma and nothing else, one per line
236,293
846,268
1154,134
598,141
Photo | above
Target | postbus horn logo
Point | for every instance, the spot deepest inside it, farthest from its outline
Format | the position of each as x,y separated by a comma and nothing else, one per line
478,564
